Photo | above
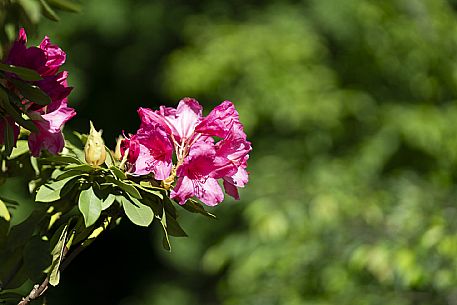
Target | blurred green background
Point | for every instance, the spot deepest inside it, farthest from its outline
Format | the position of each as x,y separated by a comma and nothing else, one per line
351,110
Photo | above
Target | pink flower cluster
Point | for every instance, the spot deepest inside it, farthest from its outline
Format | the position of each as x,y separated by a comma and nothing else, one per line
45,59
200,159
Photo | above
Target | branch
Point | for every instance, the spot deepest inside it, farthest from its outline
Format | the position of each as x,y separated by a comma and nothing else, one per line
38,290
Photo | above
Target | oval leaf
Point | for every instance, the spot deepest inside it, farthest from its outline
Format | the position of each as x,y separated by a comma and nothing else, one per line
90,206
138,213
31,92
24,73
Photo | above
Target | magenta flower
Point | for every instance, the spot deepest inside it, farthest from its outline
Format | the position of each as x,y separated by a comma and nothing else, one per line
199,160
219,121
45,59
150,151
234,149
49,135
179,122
198,176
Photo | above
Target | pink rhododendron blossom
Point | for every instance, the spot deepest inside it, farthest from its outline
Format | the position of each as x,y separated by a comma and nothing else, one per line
200,159
45,59
198,176
56,87
235,149
219,121
49,135
179,123
239,179
150,151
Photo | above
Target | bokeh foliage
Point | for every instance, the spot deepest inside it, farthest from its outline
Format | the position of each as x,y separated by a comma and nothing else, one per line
351,109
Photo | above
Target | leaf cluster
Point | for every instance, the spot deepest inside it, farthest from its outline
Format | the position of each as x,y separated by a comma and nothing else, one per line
74,203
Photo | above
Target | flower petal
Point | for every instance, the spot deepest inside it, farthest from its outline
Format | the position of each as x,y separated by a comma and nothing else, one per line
183,190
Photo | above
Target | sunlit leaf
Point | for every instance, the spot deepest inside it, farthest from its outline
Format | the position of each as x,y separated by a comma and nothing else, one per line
22,147
57,256
138,213
106,203
90,206
4,213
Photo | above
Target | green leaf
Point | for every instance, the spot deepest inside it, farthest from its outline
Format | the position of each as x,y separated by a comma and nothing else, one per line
23,73
8,136
196,207
48,11
62,160
118,173
106,203
22,147
16,113
81,136
165,240
138,213
71,173
31,92
156,192
109,161
66,5
4,213
57,256
173,228
50,192
81,167
68,186
130,189
90,206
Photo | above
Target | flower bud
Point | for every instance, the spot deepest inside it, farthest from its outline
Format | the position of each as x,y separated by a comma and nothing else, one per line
94,150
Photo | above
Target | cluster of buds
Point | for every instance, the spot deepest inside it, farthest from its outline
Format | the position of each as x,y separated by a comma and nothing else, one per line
206,149
45,59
